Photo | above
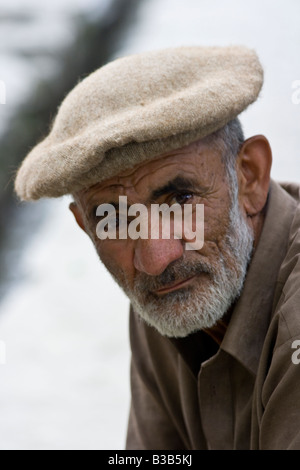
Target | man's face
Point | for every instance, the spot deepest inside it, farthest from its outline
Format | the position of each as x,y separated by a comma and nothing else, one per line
175,290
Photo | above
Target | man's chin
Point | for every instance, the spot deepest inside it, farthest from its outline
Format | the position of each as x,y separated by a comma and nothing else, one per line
179,319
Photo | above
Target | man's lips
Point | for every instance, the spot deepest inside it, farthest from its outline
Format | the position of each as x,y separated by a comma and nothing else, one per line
174,286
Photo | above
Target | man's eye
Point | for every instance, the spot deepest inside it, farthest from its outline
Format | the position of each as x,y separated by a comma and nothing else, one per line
182,198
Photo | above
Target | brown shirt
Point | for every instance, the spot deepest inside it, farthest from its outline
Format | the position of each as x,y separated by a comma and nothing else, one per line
192,393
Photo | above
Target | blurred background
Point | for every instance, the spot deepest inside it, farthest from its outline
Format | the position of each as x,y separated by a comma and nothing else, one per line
64,323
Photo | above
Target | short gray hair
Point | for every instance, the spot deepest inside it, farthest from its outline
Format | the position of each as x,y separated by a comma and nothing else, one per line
228,141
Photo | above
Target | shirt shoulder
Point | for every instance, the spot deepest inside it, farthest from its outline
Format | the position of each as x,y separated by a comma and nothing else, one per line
287,296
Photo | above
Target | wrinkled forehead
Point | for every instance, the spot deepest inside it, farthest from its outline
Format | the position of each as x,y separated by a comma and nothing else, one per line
183,164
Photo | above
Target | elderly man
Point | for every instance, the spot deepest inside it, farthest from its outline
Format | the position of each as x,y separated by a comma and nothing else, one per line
212,329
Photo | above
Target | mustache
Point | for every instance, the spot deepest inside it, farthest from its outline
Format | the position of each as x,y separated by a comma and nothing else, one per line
178,270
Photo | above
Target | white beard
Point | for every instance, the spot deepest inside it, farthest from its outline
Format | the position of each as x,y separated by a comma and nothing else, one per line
184,311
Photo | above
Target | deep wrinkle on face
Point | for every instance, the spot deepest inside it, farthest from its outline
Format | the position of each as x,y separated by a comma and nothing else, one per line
143,267
143,185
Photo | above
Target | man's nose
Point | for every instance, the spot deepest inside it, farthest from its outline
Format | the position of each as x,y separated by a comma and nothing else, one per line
152,256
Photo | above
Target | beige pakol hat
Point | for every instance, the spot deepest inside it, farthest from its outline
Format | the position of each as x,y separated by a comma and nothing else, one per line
136,108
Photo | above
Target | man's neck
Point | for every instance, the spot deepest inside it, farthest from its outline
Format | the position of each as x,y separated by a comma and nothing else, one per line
217,332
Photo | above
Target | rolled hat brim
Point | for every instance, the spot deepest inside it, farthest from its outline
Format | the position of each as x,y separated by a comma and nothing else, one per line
136,108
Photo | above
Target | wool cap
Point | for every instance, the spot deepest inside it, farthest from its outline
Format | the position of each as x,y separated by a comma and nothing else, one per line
136,108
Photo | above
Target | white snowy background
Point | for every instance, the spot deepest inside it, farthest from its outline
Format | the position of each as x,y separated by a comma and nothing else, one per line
65,384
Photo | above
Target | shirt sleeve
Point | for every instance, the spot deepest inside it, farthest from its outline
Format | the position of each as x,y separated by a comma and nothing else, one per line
149,426
276,421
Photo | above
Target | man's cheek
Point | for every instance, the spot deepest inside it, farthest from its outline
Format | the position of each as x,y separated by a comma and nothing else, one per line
117,262
90,227
216,224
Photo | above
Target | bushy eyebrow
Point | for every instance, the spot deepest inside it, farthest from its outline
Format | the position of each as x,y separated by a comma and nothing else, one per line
176,185
179,183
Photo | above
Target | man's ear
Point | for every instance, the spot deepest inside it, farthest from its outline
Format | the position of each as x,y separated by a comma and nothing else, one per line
78,215
254,166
